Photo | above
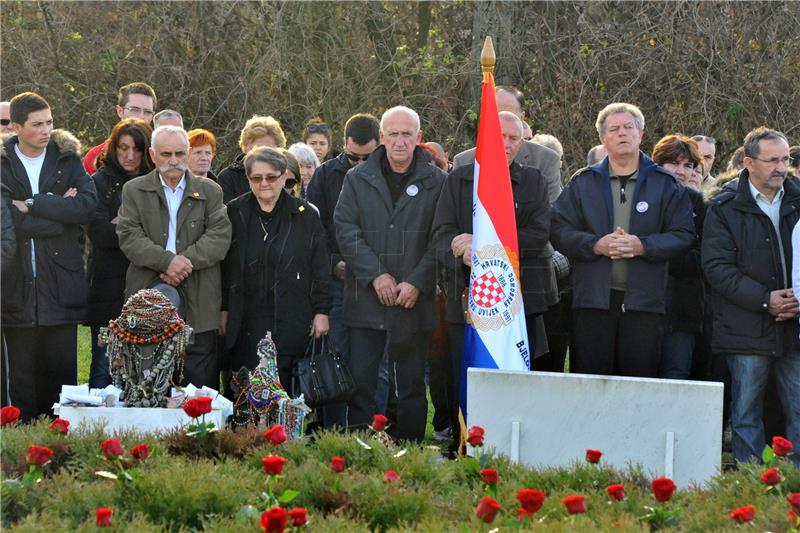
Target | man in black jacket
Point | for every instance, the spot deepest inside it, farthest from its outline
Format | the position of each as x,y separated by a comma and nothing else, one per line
44,287
383,227
452,228
747,260
361,137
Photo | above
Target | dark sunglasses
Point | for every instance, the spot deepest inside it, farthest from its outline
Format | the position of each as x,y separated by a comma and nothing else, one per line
356,158
5,121
318,128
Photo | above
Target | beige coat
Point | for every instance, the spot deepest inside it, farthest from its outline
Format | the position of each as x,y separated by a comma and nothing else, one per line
203,237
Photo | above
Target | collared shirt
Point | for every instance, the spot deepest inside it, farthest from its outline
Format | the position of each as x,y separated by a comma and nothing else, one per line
33,168
622,219
772,208
173,204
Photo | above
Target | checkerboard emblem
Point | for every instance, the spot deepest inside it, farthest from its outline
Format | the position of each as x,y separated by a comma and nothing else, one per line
487,291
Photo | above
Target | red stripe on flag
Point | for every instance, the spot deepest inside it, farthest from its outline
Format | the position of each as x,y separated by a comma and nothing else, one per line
494,182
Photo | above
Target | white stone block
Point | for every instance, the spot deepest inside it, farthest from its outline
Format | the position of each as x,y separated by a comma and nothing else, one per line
142,419
669,427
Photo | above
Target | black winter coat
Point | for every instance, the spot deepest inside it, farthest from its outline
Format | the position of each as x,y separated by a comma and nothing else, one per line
323,191
58,294
302,287
9,235
532,212
376,237
741,261
584,213
107,264
233,180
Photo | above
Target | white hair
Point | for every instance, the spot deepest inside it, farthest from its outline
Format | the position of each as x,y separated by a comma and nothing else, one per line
165,114
162,130
401,108
549,141
512,117
618,107
304,153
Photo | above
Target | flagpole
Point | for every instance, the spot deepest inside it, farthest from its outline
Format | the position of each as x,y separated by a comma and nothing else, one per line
488,59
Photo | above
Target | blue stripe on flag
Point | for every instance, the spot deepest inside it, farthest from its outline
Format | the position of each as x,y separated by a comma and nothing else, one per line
476,355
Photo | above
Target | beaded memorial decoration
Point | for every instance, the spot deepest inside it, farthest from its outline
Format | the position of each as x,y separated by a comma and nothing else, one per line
262,399
146,347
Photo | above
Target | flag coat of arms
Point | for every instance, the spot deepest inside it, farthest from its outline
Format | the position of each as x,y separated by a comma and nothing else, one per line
496,334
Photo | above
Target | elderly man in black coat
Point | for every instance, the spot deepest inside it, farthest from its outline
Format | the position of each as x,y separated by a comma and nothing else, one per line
383,227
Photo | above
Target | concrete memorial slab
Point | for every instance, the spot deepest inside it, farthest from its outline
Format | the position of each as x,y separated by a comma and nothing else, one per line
670,427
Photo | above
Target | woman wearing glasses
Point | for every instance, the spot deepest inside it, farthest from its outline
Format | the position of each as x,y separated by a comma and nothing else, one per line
318,136
275,276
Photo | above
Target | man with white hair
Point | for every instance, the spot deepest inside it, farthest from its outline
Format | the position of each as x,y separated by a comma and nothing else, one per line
174,230
5,118
383,226
619,222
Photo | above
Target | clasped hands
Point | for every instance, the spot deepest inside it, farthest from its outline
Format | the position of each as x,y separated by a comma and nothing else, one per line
178,270
619,245
783,305
391,293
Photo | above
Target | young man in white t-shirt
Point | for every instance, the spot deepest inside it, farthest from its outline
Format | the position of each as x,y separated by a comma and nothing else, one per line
44,287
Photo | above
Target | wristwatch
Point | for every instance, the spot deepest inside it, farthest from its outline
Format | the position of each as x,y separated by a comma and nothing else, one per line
29,203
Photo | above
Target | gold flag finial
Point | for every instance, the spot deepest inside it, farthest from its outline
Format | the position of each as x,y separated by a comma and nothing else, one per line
488,58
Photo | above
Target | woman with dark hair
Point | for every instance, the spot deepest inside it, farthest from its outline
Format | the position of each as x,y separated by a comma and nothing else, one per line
318,136
125,158
686,299
276,274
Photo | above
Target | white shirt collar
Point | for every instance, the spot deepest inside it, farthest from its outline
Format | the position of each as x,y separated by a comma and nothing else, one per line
758,196
181,184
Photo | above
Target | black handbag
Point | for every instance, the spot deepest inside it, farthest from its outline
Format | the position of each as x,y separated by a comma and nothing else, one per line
323,376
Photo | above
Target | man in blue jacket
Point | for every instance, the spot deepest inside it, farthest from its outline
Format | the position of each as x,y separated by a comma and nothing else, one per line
620,221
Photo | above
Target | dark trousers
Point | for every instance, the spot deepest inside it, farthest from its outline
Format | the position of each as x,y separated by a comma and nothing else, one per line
201,367
407,366
617,342
40,360
439,367
99,376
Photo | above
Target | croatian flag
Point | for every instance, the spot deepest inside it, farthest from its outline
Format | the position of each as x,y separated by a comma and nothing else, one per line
495,335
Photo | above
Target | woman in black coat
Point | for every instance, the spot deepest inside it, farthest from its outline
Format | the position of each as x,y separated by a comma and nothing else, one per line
276,273
125,158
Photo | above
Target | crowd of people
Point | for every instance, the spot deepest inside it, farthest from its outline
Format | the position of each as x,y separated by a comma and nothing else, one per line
641,264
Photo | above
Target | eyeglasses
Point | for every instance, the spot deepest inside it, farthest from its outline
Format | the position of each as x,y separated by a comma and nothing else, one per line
5,121
271,178
703,138
320,127
355,158
786,161
139,111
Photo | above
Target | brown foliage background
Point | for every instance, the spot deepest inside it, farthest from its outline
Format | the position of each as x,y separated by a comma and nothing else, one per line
720,68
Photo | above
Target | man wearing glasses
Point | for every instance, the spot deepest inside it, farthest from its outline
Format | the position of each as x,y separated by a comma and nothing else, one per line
747,259
361,138
708,149
135,100
5,118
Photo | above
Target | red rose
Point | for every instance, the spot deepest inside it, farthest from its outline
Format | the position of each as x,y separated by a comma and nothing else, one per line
338,464
112,448
8,415
140,451
593,456
663,489
204,404
275,435
575,503
103,515
616,492
794,501
390,475
771,477
299,516
274,519
59,425
475,436
191,408
39,455
531,499
273,464
489,475
379,422
782,447
487,509
743,514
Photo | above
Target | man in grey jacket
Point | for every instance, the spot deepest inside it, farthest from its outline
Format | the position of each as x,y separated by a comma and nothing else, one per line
383,227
